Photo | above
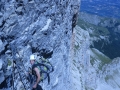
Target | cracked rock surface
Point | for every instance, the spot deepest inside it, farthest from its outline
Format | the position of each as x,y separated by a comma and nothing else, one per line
35,26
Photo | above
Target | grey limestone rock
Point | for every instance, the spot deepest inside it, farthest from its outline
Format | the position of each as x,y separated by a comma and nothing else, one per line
1,77
43,27
1,46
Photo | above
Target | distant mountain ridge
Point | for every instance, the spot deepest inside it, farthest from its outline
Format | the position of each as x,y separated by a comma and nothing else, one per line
104,32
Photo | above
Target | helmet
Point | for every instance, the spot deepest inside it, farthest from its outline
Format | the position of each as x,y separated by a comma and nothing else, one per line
32,57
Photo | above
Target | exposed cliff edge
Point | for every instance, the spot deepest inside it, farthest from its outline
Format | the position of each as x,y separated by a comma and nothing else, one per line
48,28
35,26
102,72
91,69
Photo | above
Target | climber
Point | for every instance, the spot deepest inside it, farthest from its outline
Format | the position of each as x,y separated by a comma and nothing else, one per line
36,72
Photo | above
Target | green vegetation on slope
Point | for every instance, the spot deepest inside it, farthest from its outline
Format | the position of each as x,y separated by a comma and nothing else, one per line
9,62
99,56
97,30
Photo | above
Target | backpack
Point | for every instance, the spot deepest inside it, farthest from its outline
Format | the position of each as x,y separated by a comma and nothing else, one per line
44,67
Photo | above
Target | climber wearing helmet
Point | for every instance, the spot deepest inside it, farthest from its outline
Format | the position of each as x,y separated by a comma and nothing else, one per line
36,72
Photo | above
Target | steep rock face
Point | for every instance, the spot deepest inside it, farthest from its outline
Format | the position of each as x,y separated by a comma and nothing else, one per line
81,69
91,69
42,27
102,72
110,76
